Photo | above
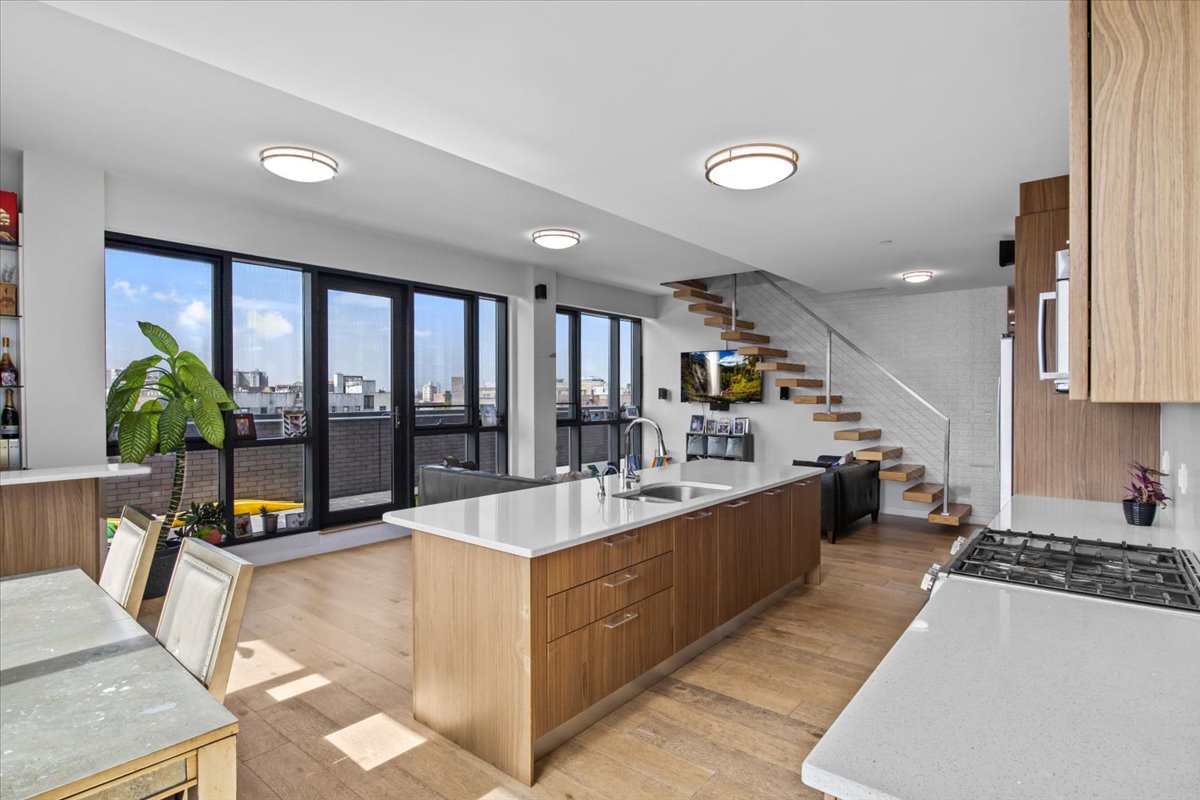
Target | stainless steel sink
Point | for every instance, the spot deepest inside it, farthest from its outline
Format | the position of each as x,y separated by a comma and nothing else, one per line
671,492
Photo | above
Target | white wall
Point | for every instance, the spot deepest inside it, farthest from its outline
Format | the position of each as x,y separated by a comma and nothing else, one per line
945,345
62,299
531,396
1180,436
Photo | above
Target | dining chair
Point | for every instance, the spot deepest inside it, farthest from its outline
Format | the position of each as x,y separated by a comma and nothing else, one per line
129,555
202,613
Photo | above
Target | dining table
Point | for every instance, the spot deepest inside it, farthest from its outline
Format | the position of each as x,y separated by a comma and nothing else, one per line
91,705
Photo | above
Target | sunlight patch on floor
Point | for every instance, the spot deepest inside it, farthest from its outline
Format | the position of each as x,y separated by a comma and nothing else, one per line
375,740
299,686
499,793
256,662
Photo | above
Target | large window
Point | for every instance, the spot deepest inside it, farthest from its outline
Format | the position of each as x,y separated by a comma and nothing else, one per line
598,384
256,323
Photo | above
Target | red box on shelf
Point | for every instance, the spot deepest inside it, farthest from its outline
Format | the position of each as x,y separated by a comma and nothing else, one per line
8,217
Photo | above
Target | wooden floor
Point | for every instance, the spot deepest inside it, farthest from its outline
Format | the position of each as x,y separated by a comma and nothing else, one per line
323,676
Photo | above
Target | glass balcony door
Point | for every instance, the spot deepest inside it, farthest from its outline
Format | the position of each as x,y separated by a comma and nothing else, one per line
363,404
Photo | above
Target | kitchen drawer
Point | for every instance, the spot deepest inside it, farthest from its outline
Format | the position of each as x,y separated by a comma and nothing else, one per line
586,603
586,562
588,664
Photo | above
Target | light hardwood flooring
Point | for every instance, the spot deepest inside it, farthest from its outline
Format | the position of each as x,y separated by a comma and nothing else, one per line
323,678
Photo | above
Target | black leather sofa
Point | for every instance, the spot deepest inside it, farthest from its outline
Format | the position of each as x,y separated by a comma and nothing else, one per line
849,492
438,484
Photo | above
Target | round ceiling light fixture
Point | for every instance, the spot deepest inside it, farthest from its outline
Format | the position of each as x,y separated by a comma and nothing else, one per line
751,166
301,164
917,276
556,238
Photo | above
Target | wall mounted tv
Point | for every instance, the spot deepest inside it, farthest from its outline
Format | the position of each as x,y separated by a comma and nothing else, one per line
711,376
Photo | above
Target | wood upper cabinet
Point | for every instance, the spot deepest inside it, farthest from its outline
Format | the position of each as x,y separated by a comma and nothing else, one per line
697,605
804,538
1135,200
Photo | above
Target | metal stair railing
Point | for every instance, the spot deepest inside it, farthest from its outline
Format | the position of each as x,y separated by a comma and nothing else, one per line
830,333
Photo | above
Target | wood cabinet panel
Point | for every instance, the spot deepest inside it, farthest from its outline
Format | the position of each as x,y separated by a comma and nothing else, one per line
1063,448
586,603
775,540
588,664
586,562
1080,140
738,564
51,525
696,555
805,539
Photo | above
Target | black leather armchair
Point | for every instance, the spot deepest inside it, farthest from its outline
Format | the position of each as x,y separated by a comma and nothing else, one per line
848,493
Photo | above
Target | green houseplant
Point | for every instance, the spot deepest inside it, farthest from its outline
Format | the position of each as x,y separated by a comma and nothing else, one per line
207,521
180,389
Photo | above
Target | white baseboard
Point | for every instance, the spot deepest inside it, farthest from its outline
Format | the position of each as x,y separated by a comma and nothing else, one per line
313,543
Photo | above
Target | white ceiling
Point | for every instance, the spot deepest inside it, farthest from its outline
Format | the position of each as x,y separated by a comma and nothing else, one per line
915,121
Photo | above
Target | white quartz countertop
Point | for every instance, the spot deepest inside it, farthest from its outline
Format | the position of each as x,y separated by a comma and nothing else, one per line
533,522
1000,692
1090,519
49,474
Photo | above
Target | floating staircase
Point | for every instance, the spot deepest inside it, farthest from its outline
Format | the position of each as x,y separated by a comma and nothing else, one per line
718,314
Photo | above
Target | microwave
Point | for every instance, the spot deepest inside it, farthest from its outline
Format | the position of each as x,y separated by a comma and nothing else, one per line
1061,374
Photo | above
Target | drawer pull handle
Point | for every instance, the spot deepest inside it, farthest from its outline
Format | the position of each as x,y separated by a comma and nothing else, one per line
624,579
774,492
627,617
629,537
701,515
738,504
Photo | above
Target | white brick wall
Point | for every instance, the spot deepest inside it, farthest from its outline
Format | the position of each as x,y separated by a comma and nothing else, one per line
943,344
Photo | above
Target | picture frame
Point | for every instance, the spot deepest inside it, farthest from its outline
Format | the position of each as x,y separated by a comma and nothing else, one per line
741,426
243,426
488,417
242,528
710,425
697,425
724,425
295,423
631,412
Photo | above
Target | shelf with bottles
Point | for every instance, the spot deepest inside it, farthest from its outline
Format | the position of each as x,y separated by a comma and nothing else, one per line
13,450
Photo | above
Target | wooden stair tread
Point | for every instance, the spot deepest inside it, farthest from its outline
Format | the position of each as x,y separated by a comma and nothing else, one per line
837,416
745,336
709,309
924,492
764,352
698,294
857,434
800,383
954,515
815,399
901,472
688,284
728,322
779,366
882,452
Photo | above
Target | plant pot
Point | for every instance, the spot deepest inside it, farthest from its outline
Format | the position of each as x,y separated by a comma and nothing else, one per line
211,535
161,568
270,523
1139,513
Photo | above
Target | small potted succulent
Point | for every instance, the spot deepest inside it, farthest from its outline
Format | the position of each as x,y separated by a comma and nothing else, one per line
1145,494
270,522
206,521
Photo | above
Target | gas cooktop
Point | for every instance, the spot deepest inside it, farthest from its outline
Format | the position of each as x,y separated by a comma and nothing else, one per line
1136,573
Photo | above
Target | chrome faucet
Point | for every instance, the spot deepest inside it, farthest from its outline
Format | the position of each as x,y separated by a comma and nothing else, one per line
609,470
630,475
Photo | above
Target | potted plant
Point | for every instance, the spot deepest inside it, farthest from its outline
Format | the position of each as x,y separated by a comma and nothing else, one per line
206,521
270,522
151,403
1145,495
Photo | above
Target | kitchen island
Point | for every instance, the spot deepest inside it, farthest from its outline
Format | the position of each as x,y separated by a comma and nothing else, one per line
536,612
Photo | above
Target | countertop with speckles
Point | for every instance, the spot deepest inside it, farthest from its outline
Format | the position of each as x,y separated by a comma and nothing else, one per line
999,692
84,688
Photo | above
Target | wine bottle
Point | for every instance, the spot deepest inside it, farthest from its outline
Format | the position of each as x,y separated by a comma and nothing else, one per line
8,370
10,420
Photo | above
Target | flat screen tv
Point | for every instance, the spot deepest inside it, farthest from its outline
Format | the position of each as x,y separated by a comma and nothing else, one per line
714,375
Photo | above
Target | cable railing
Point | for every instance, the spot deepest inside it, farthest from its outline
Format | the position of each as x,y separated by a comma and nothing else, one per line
830,334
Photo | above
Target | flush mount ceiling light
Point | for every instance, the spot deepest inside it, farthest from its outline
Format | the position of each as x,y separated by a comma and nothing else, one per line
300,164
751,166
556,238
917,275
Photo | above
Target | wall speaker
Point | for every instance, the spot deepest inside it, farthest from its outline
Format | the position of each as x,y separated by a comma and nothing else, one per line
540,292
1008,252
664,394
718,405
784,393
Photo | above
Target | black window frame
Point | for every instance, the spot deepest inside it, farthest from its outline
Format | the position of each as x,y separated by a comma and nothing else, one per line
223,367
573,421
